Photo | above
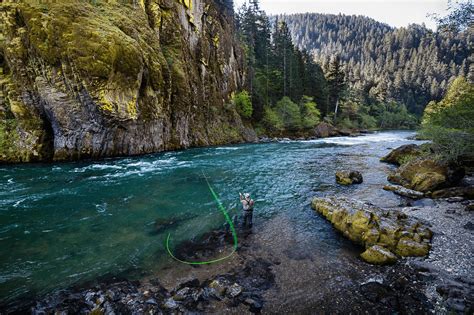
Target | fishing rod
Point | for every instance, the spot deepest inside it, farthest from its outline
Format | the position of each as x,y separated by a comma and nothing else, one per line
229,221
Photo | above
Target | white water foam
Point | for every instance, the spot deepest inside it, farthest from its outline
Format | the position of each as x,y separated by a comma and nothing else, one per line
370,138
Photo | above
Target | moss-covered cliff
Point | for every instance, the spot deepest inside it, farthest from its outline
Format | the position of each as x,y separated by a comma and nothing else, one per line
89,79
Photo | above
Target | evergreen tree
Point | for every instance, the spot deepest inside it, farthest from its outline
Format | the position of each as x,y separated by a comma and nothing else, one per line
336,83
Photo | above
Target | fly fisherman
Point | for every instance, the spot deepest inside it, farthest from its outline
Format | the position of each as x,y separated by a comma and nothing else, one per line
247,205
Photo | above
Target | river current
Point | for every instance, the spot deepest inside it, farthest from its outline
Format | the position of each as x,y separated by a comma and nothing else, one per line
68,223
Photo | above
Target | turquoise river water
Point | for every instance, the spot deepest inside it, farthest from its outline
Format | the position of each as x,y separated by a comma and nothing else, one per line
68,223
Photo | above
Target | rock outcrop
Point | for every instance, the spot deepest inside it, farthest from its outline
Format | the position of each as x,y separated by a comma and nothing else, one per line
384,234
420,171
426,174
324,130
402,154
83,79
349,177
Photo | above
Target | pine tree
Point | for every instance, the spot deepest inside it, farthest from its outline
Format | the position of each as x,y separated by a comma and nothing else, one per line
336,83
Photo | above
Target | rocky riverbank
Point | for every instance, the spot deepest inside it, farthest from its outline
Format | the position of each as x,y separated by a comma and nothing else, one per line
321,130
448,269
438,197
237,288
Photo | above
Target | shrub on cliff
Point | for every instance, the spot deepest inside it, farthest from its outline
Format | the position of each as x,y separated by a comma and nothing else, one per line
449,123
243,104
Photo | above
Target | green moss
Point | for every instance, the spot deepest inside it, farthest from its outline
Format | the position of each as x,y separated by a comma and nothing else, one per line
132,108
378,255
427,181
371,237
382,233
408,247
104,103
134,64
188,4
22,132
216,40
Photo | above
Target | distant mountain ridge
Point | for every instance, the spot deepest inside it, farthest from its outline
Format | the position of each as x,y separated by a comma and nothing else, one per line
411,65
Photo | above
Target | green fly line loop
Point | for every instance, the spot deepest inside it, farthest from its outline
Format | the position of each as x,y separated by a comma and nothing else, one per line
232,229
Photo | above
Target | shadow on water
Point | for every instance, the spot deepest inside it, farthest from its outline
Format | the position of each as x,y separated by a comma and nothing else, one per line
69,223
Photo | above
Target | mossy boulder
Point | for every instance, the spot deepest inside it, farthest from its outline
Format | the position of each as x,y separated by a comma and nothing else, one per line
426,175
349,177
402,154
427,181
378,255
383,233
420,171
410,247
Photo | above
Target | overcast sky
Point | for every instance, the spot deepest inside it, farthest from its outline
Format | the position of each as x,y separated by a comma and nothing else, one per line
393,12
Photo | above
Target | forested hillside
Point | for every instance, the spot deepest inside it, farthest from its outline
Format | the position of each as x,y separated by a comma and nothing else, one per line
410,65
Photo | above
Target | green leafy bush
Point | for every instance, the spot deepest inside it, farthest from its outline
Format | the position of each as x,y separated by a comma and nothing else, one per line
346,123
271,120
289,113
243,104
367,122
450,122
310,114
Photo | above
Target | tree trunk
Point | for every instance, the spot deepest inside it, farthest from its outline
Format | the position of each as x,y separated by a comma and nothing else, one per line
335,111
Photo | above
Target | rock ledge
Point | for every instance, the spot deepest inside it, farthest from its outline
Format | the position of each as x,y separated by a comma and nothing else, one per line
384,234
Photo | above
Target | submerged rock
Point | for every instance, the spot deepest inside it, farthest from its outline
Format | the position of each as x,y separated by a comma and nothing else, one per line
349,177
234,290
162,224
383,233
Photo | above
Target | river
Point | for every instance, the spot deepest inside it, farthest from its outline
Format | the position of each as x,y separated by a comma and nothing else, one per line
67,223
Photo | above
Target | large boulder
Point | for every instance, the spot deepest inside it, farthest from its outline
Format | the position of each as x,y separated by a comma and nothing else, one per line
402,154
384,234
349,177
426,175
324,130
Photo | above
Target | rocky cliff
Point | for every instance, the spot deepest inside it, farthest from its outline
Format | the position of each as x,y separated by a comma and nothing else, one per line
90,79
